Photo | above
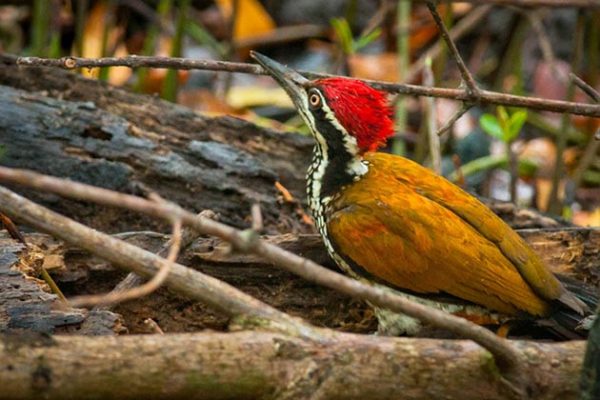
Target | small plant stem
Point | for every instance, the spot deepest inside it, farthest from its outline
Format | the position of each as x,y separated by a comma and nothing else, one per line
513,169
80,18
39,27
555,205
109,22
515,47
431,123
53,286
162,10
403,30
169,91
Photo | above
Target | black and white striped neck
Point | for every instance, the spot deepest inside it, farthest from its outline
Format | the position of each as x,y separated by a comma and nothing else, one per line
332,168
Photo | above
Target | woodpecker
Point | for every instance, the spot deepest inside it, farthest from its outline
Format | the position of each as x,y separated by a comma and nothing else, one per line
389,221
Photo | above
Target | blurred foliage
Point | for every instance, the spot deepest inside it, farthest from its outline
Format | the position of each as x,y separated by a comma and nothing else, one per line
503,126
346,41
371,40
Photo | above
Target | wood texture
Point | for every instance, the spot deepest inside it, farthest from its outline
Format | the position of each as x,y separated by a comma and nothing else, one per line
261,365
58,123
26,304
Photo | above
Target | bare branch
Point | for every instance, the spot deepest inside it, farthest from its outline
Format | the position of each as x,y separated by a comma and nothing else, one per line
483,96
460,29
463,110
132,279
589,90
220,295
153,284
193,284
467,78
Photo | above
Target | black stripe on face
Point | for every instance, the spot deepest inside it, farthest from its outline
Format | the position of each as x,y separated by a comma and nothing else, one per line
338,157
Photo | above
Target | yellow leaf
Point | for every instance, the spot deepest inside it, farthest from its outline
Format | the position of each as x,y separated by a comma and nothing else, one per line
248,96
251,18
92,42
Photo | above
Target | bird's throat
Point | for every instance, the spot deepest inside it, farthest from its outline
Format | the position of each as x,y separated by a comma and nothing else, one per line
332,168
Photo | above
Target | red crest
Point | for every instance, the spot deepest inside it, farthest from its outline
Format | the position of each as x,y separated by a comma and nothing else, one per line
362,110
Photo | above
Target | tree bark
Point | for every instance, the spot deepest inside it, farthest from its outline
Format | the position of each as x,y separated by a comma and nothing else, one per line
26,304
61,124
262,365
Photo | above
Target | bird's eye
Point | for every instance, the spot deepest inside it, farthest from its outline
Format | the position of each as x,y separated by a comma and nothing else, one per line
314,100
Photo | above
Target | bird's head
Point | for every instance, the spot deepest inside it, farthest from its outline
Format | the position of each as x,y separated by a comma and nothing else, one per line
337,110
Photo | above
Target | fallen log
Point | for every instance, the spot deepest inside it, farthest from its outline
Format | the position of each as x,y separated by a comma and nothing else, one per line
61,124
262,365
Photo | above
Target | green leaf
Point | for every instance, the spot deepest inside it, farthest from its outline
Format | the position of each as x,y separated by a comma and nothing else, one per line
515,124
490,124
502,114
526,166
343,33
591,177
365,40
503,121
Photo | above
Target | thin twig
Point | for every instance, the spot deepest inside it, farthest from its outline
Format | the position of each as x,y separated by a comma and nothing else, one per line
484,96
385,8
467,78
12,229
257,219
153,284
462,111
150,323
593,145
462,27
535,19
508,358
53,286
132,279
587,89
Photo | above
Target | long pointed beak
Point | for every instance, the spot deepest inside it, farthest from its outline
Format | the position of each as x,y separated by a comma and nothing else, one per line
288,79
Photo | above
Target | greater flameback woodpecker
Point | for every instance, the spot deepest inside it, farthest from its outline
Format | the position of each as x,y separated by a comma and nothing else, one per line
388,220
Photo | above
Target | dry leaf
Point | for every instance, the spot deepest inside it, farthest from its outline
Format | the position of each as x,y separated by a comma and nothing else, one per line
586,218
92,43
240,97
383,67
251,18
154,79
542,151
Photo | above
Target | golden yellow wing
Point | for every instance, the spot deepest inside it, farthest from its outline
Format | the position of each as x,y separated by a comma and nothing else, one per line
421,233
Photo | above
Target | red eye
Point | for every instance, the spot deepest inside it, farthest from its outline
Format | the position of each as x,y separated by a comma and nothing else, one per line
314,100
